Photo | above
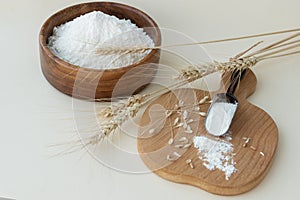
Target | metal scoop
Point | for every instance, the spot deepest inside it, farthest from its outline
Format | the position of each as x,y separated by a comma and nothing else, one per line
223,107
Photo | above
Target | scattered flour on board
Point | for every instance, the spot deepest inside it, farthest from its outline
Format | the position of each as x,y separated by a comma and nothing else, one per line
76,41
216,154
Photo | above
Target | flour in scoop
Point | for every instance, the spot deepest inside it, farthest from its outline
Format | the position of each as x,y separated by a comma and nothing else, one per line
77,41
216,154
219,118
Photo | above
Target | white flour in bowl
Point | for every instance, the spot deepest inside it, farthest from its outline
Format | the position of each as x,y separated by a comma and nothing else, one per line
77,41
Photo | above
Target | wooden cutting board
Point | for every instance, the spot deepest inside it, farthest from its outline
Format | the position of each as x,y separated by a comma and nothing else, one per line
249,121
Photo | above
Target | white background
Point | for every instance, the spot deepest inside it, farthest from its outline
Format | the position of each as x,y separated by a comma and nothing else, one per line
32,112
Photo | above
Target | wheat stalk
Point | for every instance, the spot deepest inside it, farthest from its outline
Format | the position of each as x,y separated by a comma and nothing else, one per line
127,50
123,50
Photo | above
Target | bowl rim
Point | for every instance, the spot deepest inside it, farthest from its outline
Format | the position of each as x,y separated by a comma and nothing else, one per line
44,46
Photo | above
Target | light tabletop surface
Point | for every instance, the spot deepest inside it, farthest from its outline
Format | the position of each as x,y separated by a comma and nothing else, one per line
34,115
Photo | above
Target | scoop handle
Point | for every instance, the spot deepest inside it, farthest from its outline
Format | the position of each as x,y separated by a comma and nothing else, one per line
235,78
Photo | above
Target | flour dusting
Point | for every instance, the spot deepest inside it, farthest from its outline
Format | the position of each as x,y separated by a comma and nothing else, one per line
216,154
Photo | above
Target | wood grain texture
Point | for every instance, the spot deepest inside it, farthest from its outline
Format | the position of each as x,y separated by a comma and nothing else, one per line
249,121
93,83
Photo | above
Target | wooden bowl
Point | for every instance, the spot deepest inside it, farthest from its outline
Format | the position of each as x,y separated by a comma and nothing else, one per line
93,84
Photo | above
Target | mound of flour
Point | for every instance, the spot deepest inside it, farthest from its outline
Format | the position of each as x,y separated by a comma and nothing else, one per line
77,41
